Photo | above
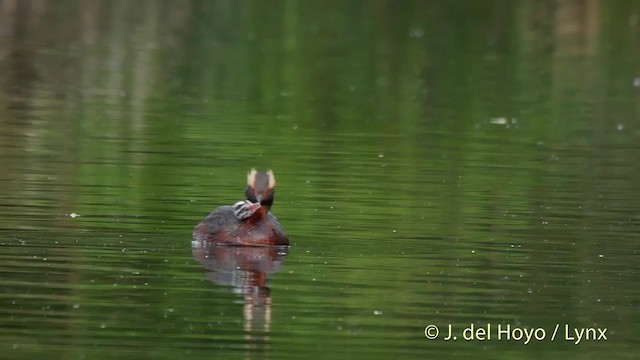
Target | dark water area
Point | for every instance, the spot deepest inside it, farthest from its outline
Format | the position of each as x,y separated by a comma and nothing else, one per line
453,164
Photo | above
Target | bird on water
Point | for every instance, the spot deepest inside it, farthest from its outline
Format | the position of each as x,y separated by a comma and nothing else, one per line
248,222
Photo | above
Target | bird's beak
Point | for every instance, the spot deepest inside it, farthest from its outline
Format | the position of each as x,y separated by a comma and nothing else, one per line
259,198
254,207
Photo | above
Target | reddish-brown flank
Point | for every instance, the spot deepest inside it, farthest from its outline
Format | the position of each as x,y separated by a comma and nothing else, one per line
259,230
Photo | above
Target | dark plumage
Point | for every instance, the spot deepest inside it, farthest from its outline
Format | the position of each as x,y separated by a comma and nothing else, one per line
247,222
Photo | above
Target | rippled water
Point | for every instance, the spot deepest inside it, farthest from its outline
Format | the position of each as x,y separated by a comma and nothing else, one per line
435,165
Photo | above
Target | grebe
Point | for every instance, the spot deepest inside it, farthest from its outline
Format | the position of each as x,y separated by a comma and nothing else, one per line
247,222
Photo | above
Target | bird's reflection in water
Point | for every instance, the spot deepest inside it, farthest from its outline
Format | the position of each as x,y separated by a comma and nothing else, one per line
247,270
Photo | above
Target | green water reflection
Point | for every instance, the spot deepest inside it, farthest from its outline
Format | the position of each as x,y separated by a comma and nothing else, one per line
437,163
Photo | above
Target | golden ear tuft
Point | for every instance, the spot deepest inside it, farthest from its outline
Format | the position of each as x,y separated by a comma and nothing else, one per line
251,178
272,179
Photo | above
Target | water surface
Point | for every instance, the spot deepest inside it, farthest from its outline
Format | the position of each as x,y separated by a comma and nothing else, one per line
436,164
